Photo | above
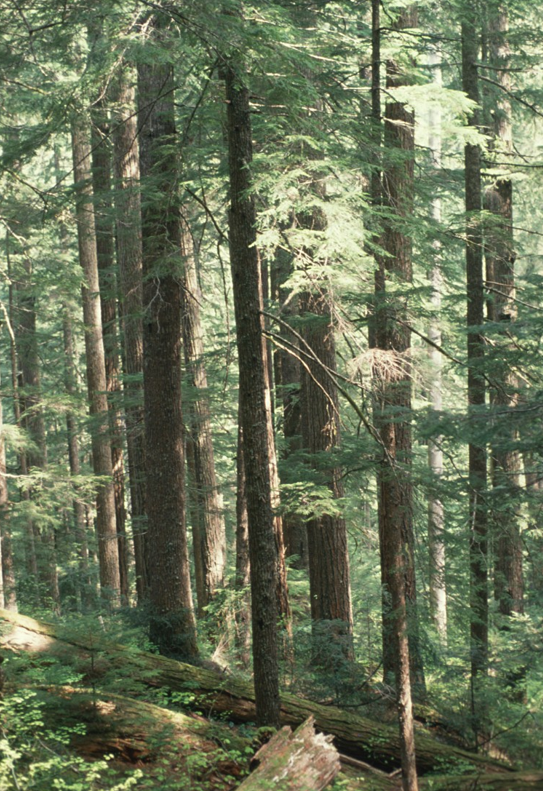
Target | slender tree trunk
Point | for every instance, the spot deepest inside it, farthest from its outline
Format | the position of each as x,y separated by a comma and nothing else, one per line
255,408
106,527
393,400
500,281
32,421
30,544
243,566
392,369
103,217
85,584
129,257
476,381
85,588
209,536
8,595
172,618
436,515
287,387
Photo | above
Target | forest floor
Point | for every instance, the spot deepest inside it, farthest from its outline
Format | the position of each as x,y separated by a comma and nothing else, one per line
197,734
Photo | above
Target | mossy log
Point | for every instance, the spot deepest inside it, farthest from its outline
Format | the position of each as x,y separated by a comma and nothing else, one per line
137,735
299,761
219,693
514,781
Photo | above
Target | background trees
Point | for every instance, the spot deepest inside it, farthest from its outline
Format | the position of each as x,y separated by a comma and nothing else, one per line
259,147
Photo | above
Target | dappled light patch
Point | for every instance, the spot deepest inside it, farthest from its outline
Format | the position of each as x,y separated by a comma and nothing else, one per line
22,639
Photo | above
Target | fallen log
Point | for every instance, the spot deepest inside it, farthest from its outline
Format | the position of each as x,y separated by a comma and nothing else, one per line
136,735
218,693
514,781
299,761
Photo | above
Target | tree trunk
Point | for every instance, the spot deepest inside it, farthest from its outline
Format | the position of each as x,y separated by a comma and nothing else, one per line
172,625
129,257
436,515
392,377
85,584
243,568
32,421
500,281
7,572
476,381
254,404
392,371
106,527
103,215
328,555
287,387
29,544
209,532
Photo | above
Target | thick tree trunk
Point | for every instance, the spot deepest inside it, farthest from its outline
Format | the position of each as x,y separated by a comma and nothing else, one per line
255,407
105,248
106,527
129,257
436,515
476,380
328,555
172,618
209,531
364,739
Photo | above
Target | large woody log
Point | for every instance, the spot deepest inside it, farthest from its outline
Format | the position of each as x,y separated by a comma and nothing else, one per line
374,742
299,761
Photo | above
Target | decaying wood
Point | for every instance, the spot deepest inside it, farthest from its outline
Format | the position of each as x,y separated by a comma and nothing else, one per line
514,781
214,693
158,741
299,761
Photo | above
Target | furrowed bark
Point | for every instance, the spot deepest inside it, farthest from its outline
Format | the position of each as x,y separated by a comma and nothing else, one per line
172,625
254,404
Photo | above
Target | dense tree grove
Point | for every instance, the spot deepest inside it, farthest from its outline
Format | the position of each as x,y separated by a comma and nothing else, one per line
270,346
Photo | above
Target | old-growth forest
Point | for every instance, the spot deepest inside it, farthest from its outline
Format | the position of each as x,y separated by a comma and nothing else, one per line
271,395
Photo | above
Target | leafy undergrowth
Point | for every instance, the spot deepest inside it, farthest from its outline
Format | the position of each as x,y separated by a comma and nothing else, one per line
62,738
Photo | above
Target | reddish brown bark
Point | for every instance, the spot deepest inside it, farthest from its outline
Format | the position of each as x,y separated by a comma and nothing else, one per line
208,527
392,368
392,402
328,555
